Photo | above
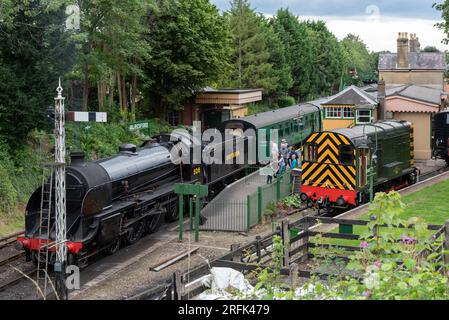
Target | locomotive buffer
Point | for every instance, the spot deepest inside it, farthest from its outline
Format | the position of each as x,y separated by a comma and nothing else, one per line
60,186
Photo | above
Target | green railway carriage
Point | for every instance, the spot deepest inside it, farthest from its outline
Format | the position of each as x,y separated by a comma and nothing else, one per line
293,123
336,164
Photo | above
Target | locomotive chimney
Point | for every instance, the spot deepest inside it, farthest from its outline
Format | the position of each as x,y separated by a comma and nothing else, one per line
381,95
77,158
403,50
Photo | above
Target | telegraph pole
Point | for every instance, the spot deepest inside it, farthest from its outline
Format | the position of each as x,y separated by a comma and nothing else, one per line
60,195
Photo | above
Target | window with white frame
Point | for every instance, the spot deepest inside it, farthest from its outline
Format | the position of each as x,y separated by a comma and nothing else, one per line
339,113
333,113
364,116
348,113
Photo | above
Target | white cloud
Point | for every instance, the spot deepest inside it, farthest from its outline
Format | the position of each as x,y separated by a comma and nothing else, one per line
380,32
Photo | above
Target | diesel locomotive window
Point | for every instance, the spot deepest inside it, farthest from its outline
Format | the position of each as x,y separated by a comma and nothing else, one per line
310,152
346,156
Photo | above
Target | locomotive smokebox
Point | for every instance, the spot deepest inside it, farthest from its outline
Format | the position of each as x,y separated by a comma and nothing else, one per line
77,158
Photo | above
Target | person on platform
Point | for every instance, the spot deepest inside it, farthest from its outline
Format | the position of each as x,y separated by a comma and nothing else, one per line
282,164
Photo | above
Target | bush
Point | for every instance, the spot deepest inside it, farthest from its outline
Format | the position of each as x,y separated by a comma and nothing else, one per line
8,194
255,108
98,140
286,101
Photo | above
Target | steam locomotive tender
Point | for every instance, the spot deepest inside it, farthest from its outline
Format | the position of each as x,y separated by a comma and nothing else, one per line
337,164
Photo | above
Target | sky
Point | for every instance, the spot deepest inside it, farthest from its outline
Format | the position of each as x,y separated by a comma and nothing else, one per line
377,22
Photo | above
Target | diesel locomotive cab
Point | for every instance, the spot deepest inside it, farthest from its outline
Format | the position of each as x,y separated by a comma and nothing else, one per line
441,136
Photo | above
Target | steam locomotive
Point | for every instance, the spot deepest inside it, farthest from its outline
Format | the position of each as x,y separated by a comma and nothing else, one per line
114,201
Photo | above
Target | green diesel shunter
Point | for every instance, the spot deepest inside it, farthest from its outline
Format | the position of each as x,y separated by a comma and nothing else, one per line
342,167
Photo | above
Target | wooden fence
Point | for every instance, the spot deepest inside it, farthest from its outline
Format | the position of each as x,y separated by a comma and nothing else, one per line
296,241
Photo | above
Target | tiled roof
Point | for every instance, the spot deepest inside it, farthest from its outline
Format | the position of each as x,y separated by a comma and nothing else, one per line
351,96
414,92
418,61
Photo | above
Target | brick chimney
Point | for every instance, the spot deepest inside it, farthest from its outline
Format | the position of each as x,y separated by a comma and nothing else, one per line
403,50
381,95
415,46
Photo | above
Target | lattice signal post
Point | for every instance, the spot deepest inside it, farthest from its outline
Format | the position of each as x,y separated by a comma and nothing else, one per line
60,187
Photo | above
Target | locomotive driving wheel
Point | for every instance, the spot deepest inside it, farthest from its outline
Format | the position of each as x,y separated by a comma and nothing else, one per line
153,222
172,208
136,232
113,248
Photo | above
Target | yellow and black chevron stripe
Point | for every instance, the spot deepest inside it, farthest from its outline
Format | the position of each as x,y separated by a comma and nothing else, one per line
327,170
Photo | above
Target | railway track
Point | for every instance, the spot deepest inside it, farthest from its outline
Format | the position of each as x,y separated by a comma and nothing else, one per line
6,242
10,239
17,279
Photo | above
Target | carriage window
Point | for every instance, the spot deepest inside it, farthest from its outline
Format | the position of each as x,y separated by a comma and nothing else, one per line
310,152
447,119
346,155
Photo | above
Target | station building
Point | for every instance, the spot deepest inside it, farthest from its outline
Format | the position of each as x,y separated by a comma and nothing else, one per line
347,108
214,106
411,88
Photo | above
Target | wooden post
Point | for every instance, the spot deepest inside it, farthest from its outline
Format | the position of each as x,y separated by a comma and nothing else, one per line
286,241
305,241
238,255
258,249
178,286
446,242
294,276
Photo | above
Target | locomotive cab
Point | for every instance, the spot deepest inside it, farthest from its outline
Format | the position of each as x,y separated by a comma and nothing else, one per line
441,136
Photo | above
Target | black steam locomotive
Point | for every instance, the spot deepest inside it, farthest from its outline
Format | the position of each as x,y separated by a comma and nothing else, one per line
114,201
441,136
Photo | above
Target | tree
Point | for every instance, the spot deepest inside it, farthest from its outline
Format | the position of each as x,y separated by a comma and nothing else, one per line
34,51
112,49
280,68
357,59
298,51
327,64
431,49
190,44
250,61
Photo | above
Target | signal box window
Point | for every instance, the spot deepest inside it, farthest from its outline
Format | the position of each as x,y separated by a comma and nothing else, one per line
364,117
346,156
311,153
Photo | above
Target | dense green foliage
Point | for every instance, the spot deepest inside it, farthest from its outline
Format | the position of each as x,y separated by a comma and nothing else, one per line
33,49
190,50
251,67
393,263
